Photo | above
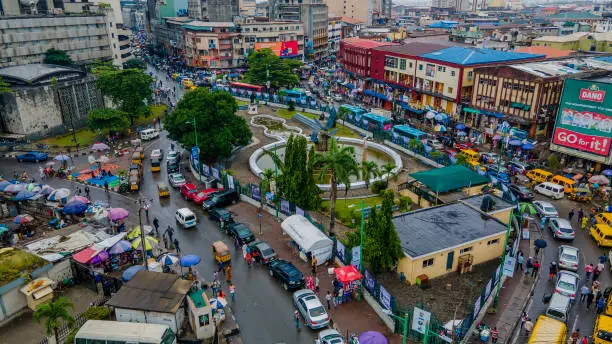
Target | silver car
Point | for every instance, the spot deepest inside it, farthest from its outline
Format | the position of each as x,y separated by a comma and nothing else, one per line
176,180
545,209
329,337
567,284
561,229
569,257
311,309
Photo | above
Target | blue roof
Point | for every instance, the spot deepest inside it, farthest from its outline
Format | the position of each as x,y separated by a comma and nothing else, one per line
354,109
406,129
607,59
377,118
443,24
473,56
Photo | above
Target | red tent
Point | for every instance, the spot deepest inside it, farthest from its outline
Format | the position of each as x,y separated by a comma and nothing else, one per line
85,255
347,274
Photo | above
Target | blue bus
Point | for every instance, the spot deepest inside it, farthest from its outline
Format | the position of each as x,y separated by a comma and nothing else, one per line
402,134
295,95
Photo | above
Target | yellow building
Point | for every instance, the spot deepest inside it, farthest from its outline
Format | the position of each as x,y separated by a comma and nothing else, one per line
447,239
579,41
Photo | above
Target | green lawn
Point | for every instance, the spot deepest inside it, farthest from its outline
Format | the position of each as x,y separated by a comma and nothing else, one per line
340,129
242,102
346,209
156,111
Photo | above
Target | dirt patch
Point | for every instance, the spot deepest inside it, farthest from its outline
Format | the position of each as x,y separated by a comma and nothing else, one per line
273,125
442,302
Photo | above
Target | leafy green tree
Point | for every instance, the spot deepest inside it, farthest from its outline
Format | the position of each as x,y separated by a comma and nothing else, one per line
57,57
553,162
219,129
134,64
369,170
107,119
55,314
415,145
98,67
436,155
387,169
4,87
339,164
130,89
343,114
264,66
382,246
265,185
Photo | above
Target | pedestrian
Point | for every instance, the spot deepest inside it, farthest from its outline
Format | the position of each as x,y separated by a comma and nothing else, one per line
600,305
589,270
316,284
528,327
248,258
220,267
600,266
520,259
584,292
87,192
543,223
165,242
523,319
340,295
296,318
232,290
228,274
176,245
552,270
156,225
328,298
589,300
575,336
585,340
570,215
494,335
580,215
215,276
106,186
528,265
314,265
584,223
41,172
537,251
603,258
536,268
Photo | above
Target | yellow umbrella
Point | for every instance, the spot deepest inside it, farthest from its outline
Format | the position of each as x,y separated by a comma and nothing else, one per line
135,233
149,241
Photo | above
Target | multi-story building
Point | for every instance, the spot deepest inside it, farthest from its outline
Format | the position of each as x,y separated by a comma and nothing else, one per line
285,38
261,9
25,39
575,17
583,41
313,13
247,7
356,55
527,94
604,26
334,34
170,37
351,27
214,10
209,44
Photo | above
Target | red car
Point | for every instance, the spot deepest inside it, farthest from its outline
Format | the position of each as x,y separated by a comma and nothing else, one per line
466,145
188,190
203,195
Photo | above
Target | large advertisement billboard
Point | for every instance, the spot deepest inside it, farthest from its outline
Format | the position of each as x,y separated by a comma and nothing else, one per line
282,49
584,121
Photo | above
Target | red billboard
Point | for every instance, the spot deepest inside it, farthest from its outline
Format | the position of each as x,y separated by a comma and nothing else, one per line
282,49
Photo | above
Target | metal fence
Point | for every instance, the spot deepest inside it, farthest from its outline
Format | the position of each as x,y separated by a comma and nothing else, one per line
299,103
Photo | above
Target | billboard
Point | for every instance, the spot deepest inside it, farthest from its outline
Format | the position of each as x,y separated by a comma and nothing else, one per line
282,49
584,123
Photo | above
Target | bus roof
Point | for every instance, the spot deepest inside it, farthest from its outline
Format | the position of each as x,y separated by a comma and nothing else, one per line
122,331
293,92
406,129
605,323
548,330
377,118
242,84
354,109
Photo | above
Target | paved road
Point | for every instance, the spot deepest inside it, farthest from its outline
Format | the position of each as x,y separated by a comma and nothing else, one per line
580,317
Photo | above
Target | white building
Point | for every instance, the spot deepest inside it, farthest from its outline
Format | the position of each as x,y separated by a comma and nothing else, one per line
604,26
334,34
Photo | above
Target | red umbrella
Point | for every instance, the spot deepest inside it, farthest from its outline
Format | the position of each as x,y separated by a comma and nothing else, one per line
347,274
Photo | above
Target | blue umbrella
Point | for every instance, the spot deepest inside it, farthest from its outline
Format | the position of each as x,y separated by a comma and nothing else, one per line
4,184
189,260
527,146
515,143
23,195
75,207
460,126
168,259
607,173
130,272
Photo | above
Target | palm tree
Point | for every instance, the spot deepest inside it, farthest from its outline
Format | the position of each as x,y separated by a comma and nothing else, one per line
462,159
415,145
369,170
342,114
387,169
267,176
55,313
4,87
340,165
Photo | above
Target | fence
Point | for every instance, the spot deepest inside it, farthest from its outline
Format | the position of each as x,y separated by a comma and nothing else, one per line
301,103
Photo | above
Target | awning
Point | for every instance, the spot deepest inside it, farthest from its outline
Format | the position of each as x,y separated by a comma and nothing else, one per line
483,112
410,108
375,94
470,110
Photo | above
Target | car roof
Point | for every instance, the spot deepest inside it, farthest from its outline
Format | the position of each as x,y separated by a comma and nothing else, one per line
569,248
262,245
185,211
563,222
328,332
566,275
545,204
189,185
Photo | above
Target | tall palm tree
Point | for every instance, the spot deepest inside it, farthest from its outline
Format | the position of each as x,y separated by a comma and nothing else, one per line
387,169
415,145
340,165
267,176
369,170
55,313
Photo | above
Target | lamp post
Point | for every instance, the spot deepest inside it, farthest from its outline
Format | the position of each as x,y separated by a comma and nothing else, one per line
142,202
361,228
195,134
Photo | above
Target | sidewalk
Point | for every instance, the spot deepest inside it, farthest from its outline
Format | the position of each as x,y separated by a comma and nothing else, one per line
513,297
355,316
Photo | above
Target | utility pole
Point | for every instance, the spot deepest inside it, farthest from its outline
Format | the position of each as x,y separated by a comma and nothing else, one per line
276,182
142,232
195,134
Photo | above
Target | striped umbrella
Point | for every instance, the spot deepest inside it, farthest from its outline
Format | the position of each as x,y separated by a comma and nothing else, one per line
149,242
79,199
120,247
22,219
59,194
167,259
14,188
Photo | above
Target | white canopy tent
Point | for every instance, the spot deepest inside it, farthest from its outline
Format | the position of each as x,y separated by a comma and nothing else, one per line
308,237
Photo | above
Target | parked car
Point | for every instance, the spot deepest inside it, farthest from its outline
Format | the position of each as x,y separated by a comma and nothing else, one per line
176,180
173,155
489,158
329,337
435,144
157,154
241,232
312,310
188,190
221,199
465,145
32,157
262,252
186,218
521,192
498,172
568,258
337,97
561,229
544,208
203,195
567,283
289,275
519,166
218,214
172,167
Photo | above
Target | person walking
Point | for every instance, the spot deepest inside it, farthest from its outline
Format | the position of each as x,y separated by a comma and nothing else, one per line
220,267
165,240
536,268
87,192
232,290
601,303
328,298
589,300
228,274
528,327
176,245
528,265
314,265
106,186
520,259
575,336
170,232
156,225
316,284
570,215
296,318
584,292
588,271
494,335
580,215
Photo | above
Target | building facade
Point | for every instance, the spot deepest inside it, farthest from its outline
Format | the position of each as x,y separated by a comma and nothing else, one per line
334,34
583,41
209,44
285,38
25,39
247,7
214,10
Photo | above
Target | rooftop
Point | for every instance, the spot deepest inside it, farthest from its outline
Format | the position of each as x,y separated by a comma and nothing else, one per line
152,291
598,36
364,43
16,263
548,69
413,49
573,16
30,74
351,20
548,51
476,201
475,56
200,25
449,178
426,231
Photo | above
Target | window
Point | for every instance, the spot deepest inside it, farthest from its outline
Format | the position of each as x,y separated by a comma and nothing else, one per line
452,73
439,68
391,62
403,64
428,262
492,242
450,90
465,250
410,65
420,67
431,70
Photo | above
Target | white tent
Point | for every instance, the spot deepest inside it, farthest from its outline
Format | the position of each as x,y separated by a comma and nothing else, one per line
308,237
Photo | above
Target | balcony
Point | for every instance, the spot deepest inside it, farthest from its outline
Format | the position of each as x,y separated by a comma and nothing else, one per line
225,57
225,46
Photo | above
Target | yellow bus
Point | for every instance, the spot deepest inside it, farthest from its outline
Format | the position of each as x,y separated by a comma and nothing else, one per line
549,331
602,332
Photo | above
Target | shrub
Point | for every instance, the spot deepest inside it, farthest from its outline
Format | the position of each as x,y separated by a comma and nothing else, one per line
96,313
378,186
291,105
553,162
404,203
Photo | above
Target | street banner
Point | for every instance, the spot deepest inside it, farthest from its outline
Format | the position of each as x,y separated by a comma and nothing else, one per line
215,173
206,170
477,306
341,251
285,207
230,181
355,256
420,319
509,266
489,289
385,298
370,282
256,193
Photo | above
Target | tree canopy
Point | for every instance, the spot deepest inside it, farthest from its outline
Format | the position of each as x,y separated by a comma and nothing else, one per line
107,119
55,314
134,64
219,129
382,246
57,57
264,66
130,89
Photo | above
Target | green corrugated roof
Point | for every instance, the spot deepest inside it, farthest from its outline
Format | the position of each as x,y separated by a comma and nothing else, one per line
449,178
573,15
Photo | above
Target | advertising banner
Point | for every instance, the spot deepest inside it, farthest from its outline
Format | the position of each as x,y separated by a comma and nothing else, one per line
340,251
282,49
420,320
355,256
584,120
285,207
256,193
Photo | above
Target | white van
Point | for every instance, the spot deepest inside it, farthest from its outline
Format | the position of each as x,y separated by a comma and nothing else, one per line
559,307
149,134
186,218
550,189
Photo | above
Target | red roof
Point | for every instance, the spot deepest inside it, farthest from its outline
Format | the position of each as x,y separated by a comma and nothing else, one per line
365,43
85,255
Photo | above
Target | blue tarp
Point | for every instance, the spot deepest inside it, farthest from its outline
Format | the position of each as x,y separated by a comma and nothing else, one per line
375,94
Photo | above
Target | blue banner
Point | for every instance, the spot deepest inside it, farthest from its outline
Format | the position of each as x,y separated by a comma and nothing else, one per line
299,211
205,170
384,298
215,173
370,282
285,207
256,193
341,251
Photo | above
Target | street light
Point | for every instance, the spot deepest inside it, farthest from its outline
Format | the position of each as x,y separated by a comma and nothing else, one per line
195,133
141,204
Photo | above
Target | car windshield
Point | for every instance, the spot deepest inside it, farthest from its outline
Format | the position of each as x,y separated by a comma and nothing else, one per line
200,194
190,218
568,257
267,252
565,285
566,230
605,335
179,179
243,231
316,312
550,209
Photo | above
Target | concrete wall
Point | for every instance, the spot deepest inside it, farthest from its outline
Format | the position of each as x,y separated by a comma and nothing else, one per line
12,302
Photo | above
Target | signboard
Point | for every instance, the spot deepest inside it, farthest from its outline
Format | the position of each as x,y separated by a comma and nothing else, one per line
230,181
299,211
370,282
584,122
282,49
509,266
195,157
385,298
355,257
340,251
285,208
215,173
256,193
420,319
206,170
